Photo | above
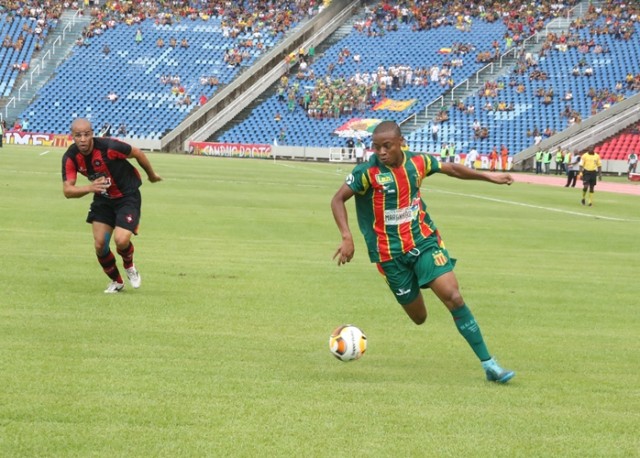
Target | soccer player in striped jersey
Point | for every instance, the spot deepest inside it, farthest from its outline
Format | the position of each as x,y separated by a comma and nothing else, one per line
402,239
116,205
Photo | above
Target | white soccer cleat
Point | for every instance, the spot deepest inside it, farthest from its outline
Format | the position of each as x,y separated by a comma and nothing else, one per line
134,277
114,287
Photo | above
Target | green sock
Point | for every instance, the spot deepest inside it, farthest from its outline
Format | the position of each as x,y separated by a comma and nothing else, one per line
467,326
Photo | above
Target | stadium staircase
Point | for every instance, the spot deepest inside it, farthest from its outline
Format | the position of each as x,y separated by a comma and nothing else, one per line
57,47
342,31
492,72
231,100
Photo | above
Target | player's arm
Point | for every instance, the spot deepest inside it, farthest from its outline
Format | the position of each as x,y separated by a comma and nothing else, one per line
345,251
143,161
465,173
69,178
71,191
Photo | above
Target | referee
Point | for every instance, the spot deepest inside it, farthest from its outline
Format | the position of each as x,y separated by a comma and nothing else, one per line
590,171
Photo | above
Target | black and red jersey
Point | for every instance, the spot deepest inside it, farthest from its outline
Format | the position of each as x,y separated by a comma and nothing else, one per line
108,159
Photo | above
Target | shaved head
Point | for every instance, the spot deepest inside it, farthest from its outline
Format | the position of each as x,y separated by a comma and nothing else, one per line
386,127
81,124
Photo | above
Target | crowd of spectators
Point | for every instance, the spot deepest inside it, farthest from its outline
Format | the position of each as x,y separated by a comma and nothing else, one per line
246,24
40,19
334,97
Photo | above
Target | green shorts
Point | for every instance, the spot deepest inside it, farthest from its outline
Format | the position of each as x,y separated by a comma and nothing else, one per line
407,273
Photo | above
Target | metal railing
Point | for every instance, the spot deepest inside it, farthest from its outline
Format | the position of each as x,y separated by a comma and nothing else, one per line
37,69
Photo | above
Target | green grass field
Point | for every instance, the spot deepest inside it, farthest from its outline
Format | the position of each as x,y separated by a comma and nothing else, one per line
223,351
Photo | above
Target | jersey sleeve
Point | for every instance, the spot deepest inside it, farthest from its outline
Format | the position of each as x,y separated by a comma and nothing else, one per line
358,180
117,149
431,165
69,170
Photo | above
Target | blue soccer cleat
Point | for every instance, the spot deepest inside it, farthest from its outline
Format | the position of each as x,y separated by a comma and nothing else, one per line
495,373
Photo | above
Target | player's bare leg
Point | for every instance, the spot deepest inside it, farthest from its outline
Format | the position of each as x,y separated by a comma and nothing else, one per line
417,309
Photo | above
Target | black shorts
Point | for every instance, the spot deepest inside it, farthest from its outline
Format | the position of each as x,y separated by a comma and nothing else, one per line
589,178
123,212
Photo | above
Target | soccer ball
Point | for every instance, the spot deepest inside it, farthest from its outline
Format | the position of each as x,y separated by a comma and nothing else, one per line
347,342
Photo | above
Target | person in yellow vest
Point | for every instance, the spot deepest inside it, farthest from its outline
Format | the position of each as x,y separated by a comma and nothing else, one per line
546,161
539,154
444,152
559,162
590,172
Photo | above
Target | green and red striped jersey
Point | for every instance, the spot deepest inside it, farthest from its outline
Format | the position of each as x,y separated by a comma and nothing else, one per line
391,213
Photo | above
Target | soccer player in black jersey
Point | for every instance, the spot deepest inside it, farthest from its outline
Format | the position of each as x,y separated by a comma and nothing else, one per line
114,183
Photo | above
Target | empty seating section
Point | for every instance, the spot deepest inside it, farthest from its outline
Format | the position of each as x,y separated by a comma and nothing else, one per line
12,30
133,72
619,146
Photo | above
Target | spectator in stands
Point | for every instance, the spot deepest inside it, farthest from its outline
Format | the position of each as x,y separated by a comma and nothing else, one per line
122,129
588,70
106,49
435,128
138,38
112,96
184,43
537,139
173,42
106,130
160,42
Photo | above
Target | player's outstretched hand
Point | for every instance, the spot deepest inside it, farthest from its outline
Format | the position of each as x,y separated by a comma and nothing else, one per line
155,178
503,178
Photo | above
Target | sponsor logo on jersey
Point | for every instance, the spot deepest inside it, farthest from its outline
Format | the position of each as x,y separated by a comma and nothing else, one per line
384,178
401,215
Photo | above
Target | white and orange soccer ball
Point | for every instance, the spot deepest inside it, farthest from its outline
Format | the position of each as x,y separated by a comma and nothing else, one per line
347,342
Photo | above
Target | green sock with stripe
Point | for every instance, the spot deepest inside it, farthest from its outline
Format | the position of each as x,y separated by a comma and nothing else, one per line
468,327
